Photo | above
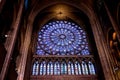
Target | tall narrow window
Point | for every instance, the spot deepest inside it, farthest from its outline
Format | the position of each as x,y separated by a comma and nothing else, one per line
69,68
50,68
56,68
63,68
77,68
72,68
41,69
91,68
84,68
44,68
35,68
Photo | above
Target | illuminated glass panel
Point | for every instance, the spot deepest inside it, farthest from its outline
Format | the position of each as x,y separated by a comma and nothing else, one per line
76,68
51,68
44,68
56,68
72,68
63,68
84,68
41,69
69,69
79,69
35,68
48,69
62,38
91,68
26,4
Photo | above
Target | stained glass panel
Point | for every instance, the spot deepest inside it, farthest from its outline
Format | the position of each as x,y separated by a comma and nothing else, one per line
41,69
56,68
62,38
35,68
63,68
84,68
91,68
44,68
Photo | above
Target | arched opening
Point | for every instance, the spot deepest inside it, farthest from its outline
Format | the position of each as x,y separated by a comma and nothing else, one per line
66,44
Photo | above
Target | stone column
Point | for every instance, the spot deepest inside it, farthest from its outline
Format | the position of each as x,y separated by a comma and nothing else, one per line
101,44
10,42
24,50
114,24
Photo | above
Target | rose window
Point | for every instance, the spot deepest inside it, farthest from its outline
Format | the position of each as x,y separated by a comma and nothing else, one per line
62,38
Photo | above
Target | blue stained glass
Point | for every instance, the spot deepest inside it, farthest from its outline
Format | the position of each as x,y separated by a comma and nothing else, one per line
35,68
41,69
85,52
72,68
84,68
69,70
76,68
48,69
62,37
63,68
79,68
56,68
91,68
44,68
51,68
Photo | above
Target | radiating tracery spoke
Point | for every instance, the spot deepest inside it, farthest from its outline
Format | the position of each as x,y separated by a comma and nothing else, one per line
62,37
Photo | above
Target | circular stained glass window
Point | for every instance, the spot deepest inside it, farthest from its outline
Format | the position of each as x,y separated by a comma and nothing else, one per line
62,37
